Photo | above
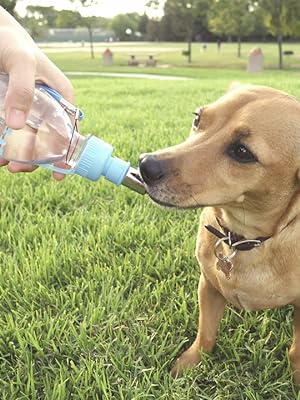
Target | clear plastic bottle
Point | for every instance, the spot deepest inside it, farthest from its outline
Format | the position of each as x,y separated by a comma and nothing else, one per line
50,138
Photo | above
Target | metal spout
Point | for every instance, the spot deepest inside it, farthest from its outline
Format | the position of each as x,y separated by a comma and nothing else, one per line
134,181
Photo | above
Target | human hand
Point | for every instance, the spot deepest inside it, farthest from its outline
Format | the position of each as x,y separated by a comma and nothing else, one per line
25,64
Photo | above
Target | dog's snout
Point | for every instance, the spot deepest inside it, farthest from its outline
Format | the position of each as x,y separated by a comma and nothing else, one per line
150,168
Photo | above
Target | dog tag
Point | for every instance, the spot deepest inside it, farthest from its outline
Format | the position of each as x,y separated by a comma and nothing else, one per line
225,265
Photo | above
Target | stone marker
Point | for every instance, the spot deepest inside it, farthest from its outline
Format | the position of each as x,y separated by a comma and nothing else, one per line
151,62
107,57
133,62
255,60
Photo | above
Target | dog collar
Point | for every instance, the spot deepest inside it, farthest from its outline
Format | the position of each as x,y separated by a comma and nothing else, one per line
232,239
235,242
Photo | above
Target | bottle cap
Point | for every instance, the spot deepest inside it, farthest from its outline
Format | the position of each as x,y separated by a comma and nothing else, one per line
96,160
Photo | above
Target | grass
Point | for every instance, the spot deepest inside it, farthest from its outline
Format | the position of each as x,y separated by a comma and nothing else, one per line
98,286
170,54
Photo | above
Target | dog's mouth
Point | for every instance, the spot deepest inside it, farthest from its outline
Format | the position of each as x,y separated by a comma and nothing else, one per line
161,202
163,186
171,200
161,196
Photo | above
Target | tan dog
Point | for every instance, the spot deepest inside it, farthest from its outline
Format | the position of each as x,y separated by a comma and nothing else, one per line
242,163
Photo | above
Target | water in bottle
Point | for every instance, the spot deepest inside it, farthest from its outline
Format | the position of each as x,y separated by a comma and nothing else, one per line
50,138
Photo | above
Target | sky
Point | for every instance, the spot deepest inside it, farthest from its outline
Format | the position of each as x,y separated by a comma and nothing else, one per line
105,8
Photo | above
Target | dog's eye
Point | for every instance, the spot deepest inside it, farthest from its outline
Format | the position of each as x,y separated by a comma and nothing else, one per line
241,153
197,119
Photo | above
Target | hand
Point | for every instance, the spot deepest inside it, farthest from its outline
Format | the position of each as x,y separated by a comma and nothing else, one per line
25,63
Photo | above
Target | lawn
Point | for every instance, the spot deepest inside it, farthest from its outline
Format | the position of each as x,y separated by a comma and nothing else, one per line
99,286
169,55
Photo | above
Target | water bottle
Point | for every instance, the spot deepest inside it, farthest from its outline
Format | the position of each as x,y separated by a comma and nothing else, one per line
50,138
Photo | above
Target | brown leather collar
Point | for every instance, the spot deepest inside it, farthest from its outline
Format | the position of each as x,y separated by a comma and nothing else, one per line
232,239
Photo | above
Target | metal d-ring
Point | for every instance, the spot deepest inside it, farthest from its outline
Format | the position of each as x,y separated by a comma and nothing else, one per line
220,256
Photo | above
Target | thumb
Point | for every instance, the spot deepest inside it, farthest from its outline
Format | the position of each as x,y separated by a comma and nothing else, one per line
20,91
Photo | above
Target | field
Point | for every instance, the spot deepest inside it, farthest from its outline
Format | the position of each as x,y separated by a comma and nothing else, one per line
98,286
169,55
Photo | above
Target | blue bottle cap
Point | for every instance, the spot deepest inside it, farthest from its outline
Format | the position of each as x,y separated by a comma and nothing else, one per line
96,161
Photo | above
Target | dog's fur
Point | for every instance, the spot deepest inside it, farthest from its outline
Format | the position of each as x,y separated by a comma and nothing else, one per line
253,199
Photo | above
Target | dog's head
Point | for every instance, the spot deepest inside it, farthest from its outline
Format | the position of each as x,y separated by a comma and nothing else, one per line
243,148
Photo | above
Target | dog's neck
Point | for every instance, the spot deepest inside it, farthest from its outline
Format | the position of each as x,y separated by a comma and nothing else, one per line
252,223
241,223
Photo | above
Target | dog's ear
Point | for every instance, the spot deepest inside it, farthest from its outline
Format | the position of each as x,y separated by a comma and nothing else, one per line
234,85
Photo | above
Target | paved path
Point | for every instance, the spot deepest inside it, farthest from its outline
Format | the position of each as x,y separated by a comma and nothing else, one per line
129,75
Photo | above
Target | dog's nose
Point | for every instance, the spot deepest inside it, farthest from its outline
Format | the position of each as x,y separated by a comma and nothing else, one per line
150,168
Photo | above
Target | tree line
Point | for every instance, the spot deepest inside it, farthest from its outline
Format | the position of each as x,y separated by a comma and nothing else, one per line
182,20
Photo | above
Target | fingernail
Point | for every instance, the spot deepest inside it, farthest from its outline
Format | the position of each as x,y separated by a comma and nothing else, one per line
16,119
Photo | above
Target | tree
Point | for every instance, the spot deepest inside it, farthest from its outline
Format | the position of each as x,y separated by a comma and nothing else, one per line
89,22
68,19
153,32
232,17
9,6
46,15
185,20
125,25
143,24
281,17
36,28
154,22
36,20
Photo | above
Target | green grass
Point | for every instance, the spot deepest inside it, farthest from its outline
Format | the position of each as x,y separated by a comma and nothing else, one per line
171,54
98,286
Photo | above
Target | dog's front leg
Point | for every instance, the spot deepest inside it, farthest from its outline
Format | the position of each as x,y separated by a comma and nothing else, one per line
294,353
211,309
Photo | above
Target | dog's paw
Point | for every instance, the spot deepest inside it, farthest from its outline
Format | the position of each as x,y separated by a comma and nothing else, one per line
189,359
296,378
294,357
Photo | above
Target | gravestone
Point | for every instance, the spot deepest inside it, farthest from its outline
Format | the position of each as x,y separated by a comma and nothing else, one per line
107,57
255,60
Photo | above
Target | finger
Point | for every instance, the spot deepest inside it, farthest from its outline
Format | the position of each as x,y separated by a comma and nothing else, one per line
3,162
19,97
15,167
58,177
50,74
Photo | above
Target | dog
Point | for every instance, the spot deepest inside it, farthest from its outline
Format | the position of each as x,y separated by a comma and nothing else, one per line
241,164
